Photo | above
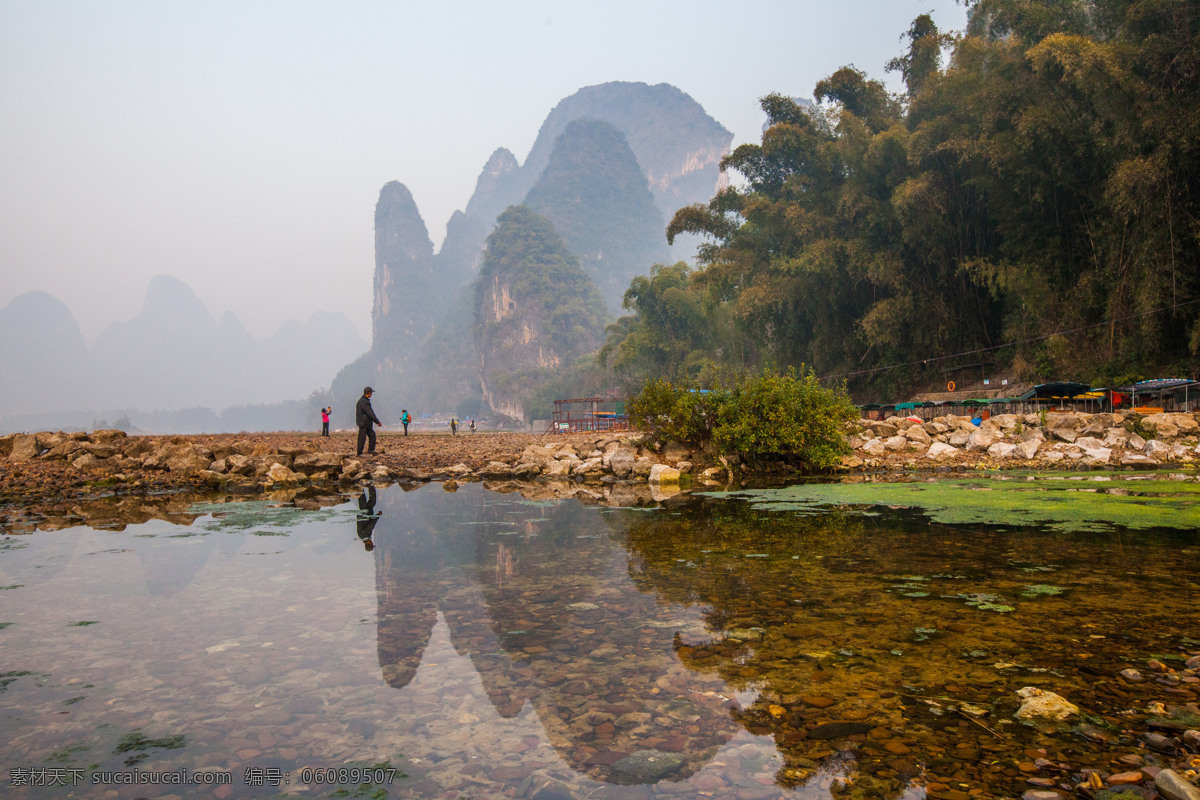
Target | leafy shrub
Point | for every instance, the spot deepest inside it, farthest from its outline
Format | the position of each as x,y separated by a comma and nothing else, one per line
767,417
674,412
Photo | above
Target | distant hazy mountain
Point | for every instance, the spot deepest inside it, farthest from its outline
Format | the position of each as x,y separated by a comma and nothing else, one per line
172,355
43,356
597,197
678,145
610,166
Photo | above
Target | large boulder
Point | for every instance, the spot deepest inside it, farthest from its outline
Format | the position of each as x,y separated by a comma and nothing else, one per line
662,474
1064,432
24,447
187,458
622,461
960,437
1006,422
308,463
239,464
537,454
1027,449
1001,450
67,451
279,475
558,469
874,447
918,435
1168,426
981,439
880,428
940,450
588,468
495,469
1158,450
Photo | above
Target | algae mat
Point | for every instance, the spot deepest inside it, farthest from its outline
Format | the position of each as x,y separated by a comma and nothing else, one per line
1075,503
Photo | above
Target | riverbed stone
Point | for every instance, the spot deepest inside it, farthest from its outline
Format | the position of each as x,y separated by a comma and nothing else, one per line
1041,704
1173,786
647,766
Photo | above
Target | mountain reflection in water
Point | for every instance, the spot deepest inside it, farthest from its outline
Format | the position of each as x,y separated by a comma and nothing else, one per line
518,648
537,596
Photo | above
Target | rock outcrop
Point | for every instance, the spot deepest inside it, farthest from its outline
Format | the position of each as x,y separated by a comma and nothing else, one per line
535,310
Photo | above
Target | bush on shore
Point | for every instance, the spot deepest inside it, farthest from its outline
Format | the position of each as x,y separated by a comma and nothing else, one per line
785,417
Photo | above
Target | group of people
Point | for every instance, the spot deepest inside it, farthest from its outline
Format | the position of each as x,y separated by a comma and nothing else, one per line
366,420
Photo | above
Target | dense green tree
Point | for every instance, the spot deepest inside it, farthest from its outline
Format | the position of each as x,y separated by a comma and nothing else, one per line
1044,181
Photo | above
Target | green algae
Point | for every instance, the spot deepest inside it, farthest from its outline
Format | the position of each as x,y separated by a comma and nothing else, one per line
1061,503
1042,590
138,744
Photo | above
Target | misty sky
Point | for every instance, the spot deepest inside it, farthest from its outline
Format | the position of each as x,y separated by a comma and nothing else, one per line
241,146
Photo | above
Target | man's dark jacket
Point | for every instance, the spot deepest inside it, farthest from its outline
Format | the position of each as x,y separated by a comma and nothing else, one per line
364,415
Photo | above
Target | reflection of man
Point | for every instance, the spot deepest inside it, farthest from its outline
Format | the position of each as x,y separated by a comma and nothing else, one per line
367,517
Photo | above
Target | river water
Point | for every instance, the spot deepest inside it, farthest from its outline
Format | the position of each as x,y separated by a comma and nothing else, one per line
475,644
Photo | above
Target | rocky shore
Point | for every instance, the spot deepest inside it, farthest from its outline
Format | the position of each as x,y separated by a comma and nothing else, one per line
45,473
1043,441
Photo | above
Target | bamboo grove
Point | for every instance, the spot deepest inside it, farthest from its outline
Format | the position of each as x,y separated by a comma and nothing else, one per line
1032,194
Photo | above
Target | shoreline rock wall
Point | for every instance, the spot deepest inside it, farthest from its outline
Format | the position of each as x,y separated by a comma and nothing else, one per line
111,461
1041,440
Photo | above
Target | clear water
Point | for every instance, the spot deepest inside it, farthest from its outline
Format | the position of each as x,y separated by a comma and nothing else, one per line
476,644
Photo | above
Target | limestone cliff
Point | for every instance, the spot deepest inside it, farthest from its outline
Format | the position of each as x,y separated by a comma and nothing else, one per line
536,311
406,291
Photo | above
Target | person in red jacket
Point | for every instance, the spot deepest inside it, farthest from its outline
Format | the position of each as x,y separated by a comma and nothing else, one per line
325,420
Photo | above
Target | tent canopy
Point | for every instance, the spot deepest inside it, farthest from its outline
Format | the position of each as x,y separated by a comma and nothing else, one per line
1158,386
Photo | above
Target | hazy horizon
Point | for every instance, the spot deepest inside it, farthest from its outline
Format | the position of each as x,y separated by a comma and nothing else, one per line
241,147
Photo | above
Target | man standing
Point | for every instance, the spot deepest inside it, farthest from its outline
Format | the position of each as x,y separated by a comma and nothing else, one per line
405,419
364,416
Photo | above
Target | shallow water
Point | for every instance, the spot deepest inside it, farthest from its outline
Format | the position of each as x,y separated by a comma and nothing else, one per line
490,646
